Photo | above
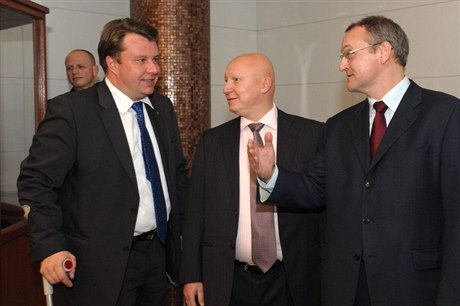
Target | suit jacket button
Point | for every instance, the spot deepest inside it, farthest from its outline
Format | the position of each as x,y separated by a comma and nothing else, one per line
367,184
366,220
232,245
357,257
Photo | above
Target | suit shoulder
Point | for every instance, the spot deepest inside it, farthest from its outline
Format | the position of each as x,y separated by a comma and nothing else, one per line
221,130
302,121
76,99
160,102
438,96
307,122
348,113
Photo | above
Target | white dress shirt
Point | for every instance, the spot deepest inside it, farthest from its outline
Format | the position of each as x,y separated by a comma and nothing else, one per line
146,213
243,239
391,99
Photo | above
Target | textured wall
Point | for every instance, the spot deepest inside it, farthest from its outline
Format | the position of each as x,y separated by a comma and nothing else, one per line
184,43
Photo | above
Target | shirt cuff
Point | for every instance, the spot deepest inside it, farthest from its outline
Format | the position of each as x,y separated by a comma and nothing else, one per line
265,189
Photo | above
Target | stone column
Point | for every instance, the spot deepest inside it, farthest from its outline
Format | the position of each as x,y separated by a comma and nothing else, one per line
184,43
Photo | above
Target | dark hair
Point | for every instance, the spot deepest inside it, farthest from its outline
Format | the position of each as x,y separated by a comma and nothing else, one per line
382,29
113,33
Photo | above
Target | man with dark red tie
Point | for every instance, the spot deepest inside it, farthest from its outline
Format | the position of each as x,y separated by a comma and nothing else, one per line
387,173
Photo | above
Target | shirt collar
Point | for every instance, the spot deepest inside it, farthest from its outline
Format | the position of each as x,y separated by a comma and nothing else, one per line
270,119
122,101
394,96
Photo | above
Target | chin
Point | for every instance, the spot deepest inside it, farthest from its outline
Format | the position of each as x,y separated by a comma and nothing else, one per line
232,109
148,92
350,87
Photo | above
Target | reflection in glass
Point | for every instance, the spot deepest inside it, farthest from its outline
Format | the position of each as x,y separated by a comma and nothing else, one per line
17,113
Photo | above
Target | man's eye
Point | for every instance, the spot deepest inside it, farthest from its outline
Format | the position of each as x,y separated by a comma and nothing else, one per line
346,54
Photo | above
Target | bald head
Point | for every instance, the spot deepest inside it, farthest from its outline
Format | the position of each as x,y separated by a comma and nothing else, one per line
81,69
250,85
258,64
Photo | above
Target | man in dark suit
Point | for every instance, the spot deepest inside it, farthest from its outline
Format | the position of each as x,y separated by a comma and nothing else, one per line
218,267
393,216
85,181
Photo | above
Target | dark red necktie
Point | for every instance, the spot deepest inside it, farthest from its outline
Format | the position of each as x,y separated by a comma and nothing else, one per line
378,127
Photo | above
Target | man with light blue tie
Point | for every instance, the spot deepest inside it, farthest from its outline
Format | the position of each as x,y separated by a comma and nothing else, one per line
104,179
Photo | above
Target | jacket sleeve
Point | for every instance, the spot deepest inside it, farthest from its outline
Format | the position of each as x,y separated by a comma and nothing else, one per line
194,220
42,173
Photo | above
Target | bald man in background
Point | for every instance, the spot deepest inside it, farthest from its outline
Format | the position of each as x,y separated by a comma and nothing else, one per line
81,69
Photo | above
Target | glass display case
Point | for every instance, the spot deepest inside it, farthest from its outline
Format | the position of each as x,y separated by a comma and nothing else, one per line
22,87
22,106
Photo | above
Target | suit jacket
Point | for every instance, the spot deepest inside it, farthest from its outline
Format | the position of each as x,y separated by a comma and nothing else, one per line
80,182
211,216
399,212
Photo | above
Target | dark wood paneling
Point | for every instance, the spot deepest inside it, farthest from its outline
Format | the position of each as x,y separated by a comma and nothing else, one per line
21,283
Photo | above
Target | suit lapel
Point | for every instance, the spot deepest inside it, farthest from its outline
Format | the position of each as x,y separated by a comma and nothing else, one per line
230,145
286,143
403,118
286,140
161,134
114,127
359,128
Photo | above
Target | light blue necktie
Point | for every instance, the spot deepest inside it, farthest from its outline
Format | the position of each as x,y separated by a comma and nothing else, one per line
152,173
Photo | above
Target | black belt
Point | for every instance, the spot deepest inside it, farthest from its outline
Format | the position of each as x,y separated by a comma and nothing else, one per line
150,235
253,269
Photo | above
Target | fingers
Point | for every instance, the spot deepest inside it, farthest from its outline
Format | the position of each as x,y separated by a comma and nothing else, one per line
253,156
193,292
70,265
201,298
262,159
268,139
59,268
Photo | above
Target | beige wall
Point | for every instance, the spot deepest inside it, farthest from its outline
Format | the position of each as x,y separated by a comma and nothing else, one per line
302,38
70,24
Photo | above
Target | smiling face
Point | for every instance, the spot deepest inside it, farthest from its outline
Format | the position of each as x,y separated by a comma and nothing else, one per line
135,70
249,86
363,67
81,69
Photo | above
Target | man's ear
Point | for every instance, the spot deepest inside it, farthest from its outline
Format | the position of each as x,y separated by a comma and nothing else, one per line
111,63
95,70
385,51
267,84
